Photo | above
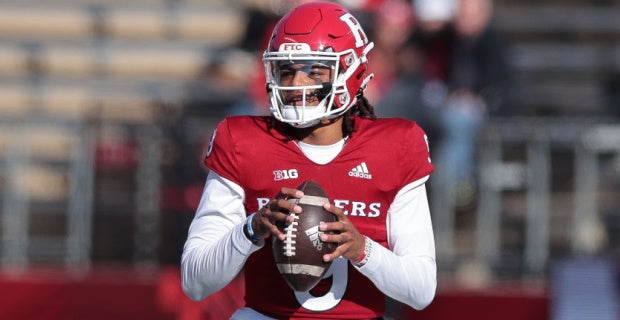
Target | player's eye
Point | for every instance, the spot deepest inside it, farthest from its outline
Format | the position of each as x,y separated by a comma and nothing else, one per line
286,72
320,71
315,73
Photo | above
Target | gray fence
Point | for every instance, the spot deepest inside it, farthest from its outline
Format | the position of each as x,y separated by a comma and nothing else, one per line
544,179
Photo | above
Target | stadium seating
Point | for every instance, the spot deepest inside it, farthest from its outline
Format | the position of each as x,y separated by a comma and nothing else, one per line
68,60
103,43
562,54
44,21
15,101
14,60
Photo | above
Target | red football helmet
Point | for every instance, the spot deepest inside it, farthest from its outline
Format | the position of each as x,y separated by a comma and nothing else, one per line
322,34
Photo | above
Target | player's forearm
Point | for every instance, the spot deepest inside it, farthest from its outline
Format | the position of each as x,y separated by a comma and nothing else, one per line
216,248
407,271
409,279
207,267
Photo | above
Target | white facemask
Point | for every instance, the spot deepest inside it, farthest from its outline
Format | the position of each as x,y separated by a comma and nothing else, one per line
310,115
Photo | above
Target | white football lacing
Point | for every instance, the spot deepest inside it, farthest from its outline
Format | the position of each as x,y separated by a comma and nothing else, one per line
290,235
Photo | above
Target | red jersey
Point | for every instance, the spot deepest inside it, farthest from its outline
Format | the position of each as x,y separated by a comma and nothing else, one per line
377,160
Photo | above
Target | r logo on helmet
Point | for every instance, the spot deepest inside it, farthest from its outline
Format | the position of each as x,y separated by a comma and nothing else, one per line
356,29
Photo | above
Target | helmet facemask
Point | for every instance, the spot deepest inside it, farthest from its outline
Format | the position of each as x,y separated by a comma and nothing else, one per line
323,96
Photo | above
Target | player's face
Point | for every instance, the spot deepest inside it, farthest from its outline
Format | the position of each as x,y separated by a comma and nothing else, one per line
303,74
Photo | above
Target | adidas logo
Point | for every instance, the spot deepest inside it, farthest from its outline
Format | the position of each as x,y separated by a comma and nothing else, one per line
314,235
361,171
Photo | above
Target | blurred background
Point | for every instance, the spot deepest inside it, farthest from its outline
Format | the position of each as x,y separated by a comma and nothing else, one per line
106,108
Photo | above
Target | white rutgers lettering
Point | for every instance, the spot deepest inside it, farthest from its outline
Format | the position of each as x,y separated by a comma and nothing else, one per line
262,202
375,210
356,29
341,204
358,208
353,208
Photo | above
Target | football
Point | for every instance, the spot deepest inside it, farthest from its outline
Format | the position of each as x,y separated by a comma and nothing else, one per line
299,257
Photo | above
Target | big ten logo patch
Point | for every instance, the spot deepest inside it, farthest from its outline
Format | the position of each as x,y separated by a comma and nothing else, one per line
285,174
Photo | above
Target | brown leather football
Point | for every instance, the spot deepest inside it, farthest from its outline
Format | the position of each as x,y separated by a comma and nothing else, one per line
300,256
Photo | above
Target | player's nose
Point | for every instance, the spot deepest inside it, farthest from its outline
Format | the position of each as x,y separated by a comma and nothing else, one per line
301,78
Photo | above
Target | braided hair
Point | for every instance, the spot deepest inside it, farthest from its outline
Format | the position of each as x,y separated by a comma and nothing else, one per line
362,108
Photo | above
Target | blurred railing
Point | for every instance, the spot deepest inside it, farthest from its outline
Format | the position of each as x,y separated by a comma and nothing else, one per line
539,196
47,204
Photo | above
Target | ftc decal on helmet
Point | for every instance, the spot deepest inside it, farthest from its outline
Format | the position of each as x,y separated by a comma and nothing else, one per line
294,47
322,37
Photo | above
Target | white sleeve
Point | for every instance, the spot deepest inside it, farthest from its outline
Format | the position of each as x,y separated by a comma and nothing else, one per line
216,248
407,271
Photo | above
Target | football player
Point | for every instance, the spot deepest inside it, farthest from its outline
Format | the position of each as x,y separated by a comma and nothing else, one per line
321,128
